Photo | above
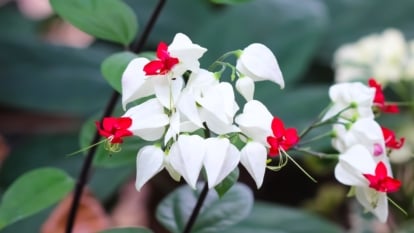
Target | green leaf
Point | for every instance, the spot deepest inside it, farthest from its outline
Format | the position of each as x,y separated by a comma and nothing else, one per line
271,218
216,213
113,67
32,192
104,158
227,183
127,230
111,20
229,1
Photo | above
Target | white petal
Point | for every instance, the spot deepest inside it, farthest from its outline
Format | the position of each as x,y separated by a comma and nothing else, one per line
220,159
344,94
188,107
149,163
171,171
255,121
186,52
245,86
148,120
167,90
259,63
135,83
253,157
356,161
216,125
186,157
373,201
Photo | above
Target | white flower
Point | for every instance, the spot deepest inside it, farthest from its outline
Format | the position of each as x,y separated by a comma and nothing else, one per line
259,63
255,121
186,157
196,85
352,164
344,95
150,161
187,53
365,131
253,158
218,107
220,159
148,120
135,84
245,86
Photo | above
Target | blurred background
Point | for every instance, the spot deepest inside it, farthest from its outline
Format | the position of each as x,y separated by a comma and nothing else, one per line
51,84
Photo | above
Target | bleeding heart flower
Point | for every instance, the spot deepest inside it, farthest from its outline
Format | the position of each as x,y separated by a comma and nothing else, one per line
390,139
379,99
381,182
282,138
114,129
357,97
164,64
259,63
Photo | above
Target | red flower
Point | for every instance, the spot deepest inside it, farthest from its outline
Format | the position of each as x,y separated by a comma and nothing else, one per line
282,138
379,99
390,139
381,181
115,128
164,64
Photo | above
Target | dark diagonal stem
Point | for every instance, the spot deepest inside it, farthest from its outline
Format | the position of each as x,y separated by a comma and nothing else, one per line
87,163
196,209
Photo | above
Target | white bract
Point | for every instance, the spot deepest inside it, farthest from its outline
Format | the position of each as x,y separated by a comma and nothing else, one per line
255,121
365,131
220,159
259,63
253,158
353,163
356,97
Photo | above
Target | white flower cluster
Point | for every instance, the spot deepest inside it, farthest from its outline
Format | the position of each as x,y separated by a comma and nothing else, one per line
172,101
363,162
387,56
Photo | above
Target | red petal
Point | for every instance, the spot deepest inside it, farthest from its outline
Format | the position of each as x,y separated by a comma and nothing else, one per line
381,171
108,123
124,122
162,51
391,184
278,128
291,136
153,67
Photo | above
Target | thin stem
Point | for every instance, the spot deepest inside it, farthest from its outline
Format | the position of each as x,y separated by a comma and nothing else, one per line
87,163
196,209
86,167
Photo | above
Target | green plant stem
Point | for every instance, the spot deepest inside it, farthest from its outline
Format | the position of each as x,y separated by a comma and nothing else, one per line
87,163
196,210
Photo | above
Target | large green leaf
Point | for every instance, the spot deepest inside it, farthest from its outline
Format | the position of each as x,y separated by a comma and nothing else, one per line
32,192
227,183
106,19
37,151
271,218
127,230
216,214
113,67
39,76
